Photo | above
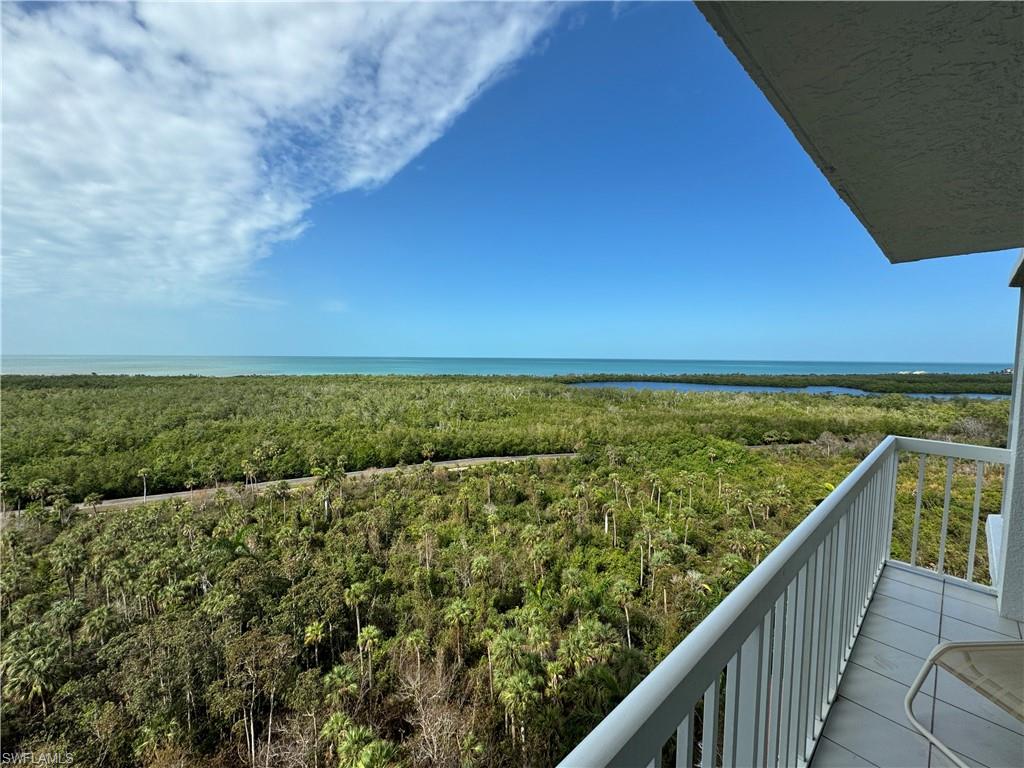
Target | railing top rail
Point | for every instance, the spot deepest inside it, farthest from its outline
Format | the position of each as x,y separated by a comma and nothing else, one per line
954,450
653,709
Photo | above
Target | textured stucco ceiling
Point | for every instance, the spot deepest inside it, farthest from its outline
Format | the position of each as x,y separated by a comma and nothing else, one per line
913,111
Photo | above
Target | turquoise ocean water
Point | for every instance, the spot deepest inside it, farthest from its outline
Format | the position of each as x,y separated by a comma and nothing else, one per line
478,366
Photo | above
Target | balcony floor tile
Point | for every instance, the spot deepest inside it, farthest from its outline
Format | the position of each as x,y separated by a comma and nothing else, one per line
897,635
909,593
831,755
911,610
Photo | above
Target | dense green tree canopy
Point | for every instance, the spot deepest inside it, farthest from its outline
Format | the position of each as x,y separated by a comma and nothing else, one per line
94,434
487,617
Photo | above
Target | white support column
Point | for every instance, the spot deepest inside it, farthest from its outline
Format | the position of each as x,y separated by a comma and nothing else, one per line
1011,569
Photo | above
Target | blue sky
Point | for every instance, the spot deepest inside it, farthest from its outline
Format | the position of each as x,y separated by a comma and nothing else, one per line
612,185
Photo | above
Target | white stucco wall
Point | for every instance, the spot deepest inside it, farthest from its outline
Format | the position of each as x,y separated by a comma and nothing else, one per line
1011,594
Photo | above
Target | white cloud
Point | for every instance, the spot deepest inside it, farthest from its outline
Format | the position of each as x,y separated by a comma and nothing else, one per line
158,150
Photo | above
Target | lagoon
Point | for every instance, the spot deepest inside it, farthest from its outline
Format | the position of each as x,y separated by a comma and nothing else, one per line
681,386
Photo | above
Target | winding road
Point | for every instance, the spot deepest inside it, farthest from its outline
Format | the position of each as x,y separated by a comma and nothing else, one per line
451,465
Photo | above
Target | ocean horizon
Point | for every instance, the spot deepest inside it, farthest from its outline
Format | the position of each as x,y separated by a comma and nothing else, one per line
271,365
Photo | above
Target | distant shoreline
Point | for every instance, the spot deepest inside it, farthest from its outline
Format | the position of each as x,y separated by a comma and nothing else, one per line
172,365
912,384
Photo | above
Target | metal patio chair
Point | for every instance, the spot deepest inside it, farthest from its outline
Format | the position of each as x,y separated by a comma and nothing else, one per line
994,669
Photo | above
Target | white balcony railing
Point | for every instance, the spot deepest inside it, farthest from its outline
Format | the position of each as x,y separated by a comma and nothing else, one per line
754,681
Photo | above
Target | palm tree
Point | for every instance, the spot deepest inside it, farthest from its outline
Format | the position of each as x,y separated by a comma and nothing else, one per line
491,513
92,501
335,726
144,473
736,542
352,597
65,615
338,730
574,590
190,484
341,683
67,563
64,508
775,498
281,491
329,476
758,543
519,694
38,489
458,615
589,642
249,471
29,665
623,592
5,489
314,635
99,624
379,754
369,640
416,639
356,746
508,648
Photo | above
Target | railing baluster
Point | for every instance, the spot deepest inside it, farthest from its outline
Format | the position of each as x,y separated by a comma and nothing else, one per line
684,742
865,555
835,608
870,546
789,670
849,617
732,704
878,534
846,623
978,482
777,679
800,666
892,471
865,565
862,546
807,678
709,726
819,638
870,526
917,510
882,523
941,568
823,623
764,710
835,622
748,702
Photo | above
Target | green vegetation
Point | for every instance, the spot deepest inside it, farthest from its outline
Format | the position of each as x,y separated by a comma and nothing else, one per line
960,514
920,383
95,434
488,617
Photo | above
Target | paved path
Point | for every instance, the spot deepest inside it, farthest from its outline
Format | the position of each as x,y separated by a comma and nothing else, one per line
451,464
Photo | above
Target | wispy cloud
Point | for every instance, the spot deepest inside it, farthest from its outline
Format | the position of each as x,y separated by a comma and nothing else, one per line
160,150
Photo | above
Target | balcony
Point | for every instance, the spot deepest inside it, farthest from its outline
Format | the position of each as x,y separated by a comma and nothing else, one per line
807,662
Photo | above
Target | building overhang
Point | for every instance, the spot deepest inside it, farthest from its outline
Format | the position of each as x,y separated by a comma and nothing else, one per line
913,111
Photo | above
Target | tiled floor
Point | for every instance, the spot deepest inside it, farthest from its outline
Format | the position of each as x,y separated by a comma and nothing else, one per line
911,612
